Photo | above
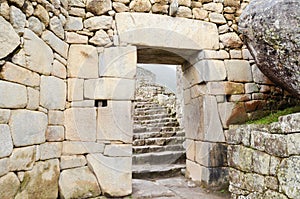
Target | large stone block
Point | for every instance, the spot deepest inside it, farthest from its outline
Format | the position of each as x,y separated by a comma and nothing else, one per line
115,122
139,28
118,150
211,154
289,176
261,162
4,116
202,121
9,38
41,181
50,150
37,60
98,22
78,183
113,173
56,44
56,117
118,62
193,171
73,161
55,133
20,75
227,88
232,113
75,89
211,70
10,185
28,127
83,61
78,148
22,159
81,124
190,149
12,95
53,93
109,88
33,99
6,145
98,7
238,70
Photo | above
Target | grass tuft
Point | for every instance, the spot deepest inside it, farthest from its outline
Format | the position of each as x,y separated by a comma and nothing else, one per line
273,117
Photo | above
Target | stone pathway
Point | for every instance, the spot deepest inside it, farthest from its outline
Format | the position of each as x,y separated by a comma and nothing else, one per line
172,188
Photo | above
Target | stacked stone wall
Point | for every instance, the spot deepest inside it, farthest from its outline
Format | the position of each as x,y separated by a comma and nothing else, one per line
264,159
67,73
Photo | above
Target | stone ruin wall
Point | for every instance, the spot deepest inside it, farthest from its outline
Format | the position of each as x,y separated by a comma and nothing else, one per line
264,159
65,121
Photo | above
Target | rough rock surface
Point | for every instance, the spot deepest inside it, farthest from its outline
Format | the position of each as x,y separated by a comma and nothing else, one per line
272,33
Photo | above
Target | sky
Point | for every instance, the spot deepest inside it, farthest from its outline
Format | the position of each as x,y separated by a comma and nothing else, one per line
165,74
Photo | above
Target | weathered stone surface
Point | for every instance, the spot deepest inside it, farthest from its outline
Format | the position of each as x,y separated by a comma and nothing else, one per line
12,95
75,89
83,61
118,62
120,7
59,70
9,185
109,88
55,133
74,23
115,122
4,116
273,40
193,171
273,194
217,18
98,22
17,19
74,38
101,38
276,145
231,40
199,13
140,5
41,13
4,168
238,70
33,98
290,123
56,117
78,183
6,145
57,27
53,92
113,174
261,162
77,3
215,7
28,127
289,176
20,75
118,150
22,158
4,10
35,25
98,7
184,12
79,12
73,161
78,148
41,181
19,58
56,44
41,60
81,124
232,113
240,157
138,29
9,38
229,88
50,150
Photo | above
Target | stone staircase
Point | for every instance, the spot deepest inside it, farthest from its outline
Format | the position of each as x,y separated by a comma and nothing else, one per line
157,140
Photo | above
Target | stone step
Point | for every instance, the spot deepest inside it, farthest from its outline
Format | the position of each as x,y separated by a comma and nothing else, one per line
155,171
157,148
165,157
157,123
147,135
160,141
151,117
143,129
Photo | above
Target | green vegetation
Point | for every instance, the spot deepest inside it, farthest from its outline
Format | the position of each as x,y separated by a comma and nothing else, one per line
273,117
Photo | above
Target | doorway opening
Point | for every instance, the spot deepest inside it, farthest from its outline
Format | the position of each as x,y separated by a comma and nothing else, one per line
158,133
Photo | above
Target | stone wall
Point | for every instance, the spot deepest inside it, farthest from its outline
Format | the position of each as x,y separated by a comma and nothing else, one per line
67,81
264,159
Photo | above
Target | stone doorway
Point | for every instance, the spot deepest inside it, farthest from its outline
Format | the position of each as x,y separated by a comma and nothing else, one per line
193,45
